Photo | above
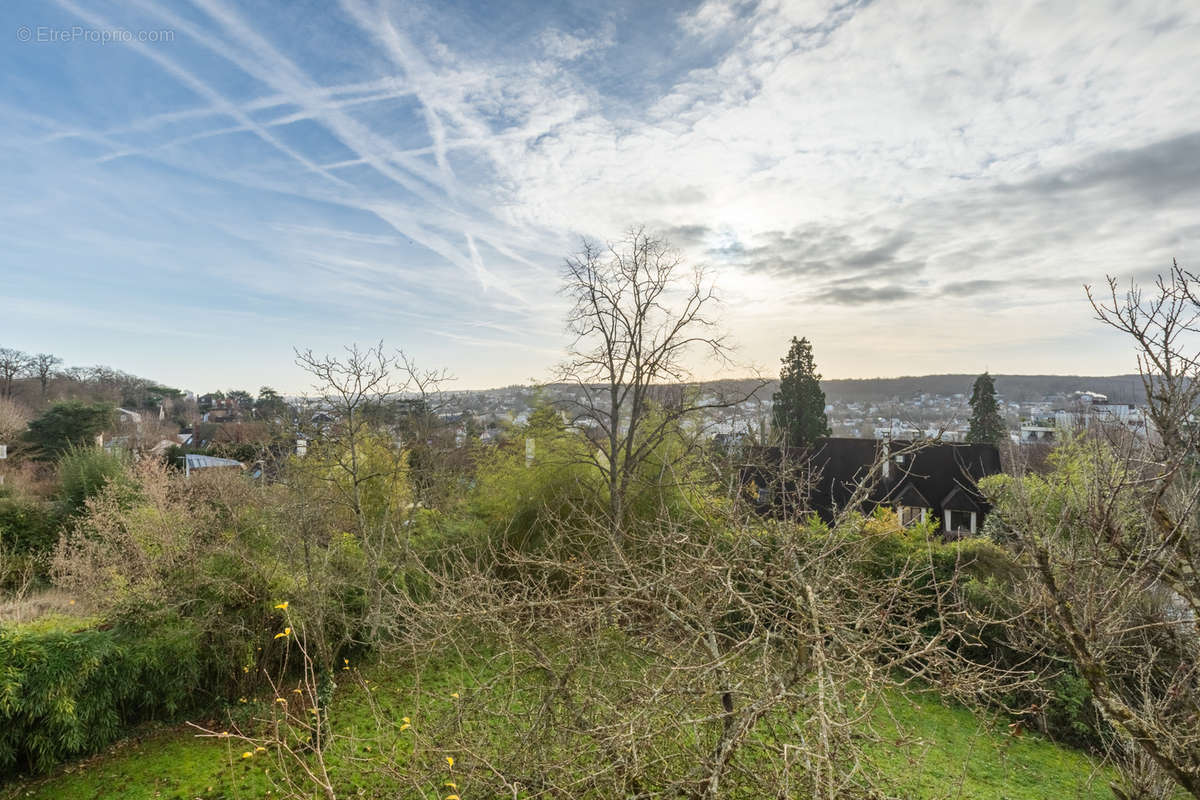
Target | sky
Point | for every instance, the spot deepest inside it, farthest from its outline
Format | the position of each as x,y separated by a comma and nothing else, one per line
192,189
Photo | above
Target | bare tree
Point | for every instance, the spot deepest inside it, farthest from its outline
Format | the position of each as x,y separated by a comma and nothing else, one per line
690,663
362,463
639,315
345,387
13,420
13,365
76,374
1113,540
43,365
429,440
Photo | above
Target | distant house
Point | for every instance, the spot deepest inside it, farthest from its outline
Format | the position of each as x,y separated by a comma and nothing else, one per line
1039,434
1094,412
160,449
219,415
195,461
129,417
939,479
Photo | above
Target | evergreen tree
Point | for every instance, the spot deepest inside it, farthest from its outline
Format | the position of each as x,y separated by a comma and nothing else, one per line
799,407
66,425
987,426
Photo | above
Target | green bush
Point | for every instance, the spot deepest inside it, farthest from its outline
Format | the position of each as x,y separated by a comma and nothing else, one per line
65,425
28,532
986,575
27,526
67,693
84,471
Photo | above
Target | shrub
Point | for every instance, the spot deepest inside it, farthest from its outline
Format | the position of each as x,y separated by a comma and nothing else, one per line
28,531
218,551
65,425
84,471
27,526
988,578
66,693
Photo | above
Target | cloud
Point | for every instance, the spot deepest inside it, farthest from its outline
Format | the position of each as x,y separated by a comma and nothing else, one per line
970,288
858,295
687,236
710,17
1156,173
418,162
831,252
563,46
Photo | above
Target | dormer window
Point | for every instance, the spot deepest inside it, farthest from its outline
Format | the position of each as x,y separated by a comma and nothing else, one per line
910,515
960,522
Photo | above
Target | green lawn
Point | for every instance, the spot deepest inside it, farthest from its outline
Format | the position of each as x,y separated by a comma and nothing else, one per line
939,752
952,753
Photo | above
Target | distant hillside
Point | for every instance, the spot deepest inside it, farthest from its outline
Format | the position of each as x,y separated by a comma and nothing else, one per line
1018,388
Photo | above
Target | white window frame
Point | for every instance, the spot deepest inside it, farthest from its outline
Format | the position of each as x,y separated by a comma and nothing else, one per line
948,512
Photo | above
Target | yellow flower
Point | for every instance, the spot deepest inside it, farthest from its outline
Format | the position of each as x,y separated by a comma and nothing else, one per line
241,699
452,797
405,719
286,632
454,695
405,726
281,700
245,669
260,749
312,711
247,754
224,734
282,606
450,761
298,690
450,784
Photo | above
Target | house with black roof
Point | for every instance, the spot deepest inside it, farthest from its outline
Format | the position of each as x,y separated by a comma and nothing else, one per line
938,479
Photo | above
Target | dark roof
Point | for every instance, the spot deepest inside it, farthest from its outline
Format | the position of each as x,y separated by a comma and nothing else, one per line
939,475
909,495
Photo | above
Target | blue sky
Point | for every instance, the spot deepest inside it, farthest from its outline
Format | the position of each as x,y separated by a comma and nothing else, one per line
915,189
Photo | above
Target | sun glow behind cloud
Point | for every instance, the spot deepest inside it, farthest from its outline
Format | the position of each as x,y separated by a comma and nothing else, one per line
915,192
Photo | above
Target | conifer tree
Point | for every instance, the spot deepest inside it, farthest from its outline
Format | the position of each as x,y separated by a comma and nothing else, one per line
799,405
987,426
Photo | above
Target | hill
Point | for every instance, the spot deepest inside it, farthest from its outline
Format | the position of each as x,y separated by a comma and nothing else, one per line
1017,388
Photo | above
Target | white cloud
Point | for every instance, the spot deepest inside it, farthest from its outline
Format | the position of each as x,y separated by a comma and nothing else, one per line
562,46
819,136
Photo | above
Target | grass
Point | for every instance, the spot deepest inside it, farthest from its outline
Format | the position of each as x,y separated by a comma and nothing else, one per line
939,752
946,752
159,762
35,607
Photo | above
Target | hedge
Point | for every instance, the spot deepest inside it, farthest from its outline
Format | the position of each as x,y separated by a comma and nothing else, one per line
68,693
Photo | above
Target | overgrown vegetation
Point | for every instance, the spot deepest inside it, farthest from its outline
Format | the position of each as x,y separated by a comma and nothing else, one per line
590,609
66,692
933,750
